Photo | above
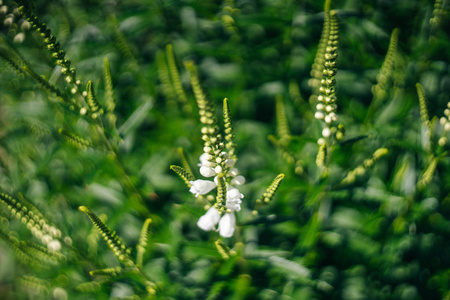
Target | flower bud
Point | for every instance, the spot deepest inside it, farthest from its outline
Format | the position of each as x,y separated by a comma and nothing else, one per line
233,172
201,187
238,180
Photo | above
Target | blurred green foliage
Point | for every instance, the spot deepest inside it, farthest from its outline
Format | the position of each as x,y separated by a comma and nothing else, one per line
374,223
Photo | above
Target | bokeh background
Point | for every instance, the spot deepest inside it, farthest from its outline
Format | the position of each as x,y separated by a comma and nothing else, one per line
382,235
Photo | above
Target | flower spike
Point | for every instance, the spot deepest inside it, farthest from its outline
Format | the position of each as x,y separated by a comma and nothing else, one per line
270,192
143,242
184,162
217,161
112,240
185,175
175,76
229,136
282,122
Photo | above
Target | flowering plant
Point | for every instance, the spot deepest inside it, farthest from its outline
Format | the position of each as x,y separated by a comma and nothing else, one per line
218,161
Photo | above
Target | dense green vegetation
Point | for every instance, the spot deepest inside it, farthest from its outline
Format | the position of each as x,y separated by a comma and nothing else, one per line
337,115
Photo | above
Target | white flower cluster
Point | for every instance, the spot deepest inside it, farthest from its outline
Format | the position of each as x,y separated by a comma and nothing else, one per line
213,216
51,239
11,18
326,111
445,122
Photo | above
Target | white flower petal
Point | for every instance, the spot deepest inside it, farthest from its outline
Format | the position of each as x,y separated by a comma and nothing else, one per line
206,163
227,225
233,198
238,180
234,205
207,171
201,187
204,160
233,192
203,157
209,220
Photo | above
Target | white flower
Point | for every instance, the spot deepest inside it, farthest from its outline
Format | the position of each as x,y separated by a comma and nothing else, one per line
209,168
205,160
209,220
203,157
227,225
234,198
201,187
207,171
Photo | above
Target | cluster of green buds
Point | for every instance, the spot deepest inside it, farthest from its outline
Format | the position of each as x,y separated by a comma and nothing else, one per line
227,19
52,45
326,106
386,74
83,100
114,242
214,142
40,227
87,104
438,13
317,67
362,169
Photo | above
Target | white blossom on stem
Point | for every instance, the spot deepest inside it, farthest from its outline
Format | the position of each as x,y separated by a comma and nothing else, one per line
209,220
233,199
201,187
205,160
227,225
207,171
209,168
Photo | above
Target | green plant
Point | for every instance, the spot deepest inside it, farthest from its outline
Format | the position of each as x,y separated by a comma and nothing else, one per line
359,210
